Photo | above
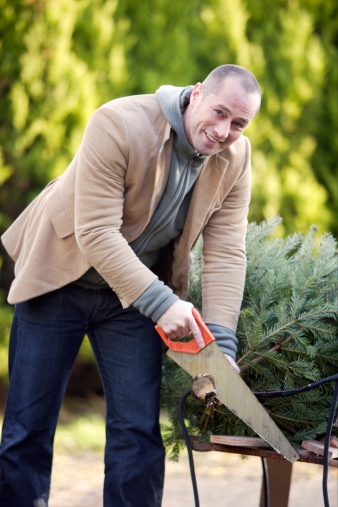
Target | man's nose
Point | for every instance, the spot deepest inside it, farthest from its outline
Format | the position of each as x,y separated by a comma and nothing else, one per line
223,129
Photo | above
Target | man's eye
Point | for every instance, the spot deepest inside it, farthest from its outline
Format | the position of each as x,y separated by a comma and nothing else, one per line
238,125
218,112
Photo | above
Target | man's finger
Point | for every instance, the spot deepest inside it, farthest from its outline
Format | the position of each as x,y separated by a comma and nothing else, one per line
197,333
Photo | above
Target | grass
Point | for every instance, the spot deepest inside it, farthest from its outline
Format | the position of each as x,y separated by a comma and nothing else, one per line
84,433
81,425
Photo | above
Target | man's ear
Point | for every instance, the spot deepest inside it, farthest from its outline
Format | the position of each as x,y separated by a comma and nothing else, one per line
196,93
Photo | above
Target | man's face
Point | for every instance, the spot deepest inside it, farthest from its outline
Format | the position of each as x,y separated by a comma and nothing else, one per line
213,122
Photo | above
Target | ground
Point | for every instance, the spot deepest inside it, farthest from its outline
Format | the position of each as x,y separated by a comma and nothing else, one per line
223,479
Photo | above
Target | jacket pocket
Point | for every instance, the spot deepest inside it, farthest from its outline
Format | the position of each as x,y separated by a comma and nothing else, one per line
59,215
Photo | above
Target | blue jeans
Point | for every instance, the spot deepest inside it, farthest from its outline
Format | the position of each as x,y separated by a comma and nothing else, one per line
46,335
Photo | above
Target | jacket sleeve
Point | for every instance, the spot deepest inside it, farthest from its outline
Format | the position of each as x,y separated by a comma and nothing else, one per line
99,200
224,255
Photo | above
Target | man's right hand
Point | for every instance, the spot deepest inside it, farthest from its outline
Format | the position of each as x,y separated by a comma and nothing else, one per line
178,321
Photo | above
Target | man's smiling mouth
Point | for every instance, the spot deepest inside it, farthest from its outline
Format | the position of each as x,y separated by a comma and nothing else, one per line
212,139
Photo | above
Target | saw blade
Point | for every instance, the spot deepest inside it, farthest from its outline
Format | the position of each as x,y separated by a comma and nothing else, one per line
233,392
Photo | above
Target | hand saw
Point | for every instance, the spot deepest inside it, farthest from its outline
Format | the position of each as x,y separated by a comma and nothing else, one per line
231,389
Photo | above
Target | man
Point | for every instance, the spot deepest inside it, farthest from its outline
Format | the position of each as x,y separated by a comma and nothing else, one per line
104,251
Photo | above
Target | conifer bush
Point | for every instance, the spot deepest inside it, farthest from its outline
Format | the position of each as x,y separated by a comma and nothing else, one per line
288,337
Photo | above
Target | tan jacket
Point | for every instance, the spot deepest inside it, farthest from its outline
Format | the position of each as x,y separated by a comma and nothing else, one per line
105,199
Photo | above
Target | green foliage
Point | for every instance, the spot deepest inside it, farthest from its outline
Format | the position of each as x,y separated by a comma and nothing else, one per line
287,334
297,44
6,314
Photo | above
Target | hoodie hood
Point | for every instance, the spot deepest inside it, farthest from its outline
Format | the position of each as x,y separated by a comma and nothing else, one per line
173,101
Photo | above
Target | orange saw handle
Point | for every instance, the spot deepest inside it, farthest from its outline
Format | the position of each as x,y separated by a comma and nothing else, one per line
190,347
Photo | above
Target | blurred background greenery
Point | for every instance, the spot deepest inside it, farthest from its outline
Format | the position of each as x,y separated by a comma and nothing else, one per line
61,59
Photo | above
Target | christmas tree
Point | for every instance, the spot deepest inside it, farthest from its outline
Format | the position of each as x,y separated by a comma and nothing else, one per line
288,337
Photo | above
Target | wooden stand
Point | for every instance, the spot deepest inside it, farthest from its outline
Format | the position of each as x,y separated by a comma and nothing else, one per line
279,474
279,470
